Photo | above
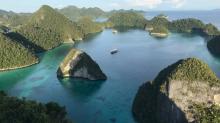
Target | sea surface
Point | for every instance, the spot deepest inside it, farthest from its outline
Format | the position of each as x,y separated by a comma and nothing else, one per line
139,59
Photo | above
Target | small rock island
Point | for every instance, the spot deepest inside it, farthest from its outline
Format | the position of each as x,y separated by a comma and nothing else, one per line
184,92
78,64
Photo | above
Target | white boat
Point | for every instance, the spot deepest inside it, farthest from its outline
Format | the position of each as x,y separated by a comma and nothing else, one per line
115,31
114,51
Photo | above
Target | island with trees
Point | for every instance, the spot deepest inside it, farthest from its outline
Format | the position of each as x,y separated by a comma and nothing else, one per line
185,91
78,64
127,19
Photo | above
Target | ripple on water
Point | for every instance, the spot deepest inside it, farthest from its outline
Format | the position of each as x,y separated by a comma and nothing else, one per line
38,78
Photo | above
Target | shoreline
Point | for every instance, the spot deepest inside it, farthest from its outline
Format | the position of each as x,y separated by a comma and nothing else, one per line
37,62
15,68
161,35
157,35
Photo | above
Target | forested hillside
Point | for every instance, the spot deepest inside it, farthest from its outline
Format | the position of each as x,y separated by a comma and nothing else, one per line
13,19
14,110
88,26
74,13
47,28
127,19
14,55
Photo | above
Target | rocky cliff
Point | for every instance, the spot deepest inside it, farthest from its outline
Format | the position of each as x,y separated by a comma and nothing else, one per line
80,65
214,46
174,94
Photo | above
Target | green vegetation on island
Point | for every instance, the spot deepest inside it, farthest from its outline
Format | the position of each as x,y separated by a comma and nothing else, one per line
175,94
14,55
13,19
88,26
159,21
214,46
47,28
185,25
162,16
205,114
14,110
192,25
190,70
127,19
74,13
210,29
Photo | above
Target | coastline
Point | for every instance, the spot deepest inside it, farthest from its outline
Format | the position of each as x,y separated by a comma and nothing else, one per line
161,35
14,68
37,62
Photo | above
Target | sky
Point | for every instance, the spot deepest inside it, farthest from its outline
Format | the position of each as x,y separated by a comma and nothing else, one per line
147,5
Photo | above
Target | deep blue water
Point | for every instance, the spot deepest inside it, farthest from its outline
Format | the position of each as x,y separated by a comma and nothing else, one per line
139,59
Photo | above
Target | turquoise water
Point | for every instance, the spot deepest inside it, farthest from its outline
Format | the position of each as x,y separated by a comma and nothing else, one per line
139,59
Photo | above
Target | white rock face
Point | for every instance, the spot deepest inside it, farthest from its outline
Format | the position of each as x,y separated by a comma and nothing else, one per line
83,72
184,93
69,62
79,65
174,93
217,99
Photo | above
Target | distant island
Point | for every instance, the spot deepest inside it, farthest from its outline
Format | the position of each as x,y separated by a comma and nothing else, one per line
161,24
127,19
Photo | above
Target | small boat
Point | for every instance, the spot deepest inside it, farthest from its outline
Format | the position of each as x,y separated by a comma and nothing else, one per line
114,51
115,31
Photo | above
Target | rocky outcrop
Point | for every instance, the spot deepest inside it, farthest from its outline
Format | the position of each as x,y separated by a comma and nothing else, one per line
217,99
171,97
80,65
214,46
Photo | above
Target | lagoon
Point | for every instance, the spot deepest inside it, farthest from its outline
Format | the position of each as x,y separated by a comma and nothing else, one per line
139,59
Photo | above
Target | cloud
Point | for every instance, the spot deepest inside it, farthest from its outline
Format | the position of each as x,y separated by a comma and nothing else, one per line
115,5
148,3
178,3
